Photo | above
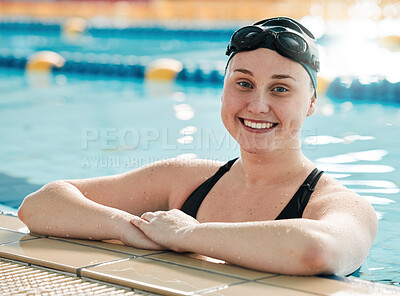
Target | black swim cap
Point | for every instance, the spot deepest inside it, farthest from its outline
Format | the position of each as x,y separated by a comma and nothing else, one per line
284,35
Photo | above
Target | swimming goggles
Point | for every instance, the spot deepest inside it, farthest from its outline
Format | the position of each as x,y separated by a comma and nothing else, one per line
287,43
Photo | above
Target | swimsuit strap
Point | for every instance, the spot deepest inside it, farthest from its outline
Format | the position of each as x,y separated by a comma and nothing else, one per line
296,206
193,202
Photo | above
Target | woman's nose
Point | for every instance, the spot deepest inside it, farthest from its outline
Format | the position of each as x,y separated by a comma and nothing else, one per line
258,104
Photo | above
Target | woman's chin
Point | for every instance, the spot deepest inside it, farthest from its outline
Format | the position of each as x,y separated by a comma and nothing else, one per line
256,149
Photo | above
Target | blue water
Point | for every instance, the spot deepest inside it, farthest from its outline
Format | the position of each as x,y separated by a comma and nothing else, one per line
161,45
58,127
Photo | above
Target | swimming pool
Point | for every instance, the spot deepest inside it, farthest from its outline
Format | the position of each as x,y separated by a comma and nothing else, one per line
73,126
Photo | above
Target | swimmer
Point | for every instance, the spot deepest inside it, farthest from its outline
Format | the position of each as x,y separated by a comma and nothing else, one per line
269,210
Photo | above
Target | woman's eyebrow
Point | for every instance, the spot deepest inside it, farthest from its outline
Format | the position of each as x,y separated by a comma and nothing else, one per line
245,71
282,76
275,76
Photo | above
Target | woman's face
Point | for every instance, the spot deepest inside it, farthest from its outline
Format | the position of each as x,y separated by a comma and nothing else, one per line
265,99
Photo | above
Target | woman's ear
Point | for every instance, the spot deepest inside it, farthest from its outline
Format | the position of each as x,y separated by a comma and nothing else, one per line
311,108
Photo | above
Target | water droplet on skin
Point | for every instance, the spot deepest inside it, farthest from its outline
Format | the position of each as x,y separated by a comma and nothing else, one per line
288,230
113,216
89,237
67,235
85,193
212,249
238,257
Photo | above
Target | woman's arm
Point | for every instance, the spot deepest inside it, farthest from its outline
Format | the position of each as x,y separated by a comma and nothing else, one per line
60,209
336,241
100,208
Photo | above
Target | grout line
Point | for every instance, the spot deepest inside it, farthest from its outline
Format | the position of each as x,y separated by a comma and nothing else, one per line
267,277
278,275
219,288
292,289
20,232
157,253
107,283
21,240
105,249
14,261
197,268
79,269
53,270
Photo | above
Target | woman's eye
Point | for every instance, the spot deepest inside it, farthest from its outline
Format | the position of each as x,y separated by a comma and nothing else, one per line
244,84
280,89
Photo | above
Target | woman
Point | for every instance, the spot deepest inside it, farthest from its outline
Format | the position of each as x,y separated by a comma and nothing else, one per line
250,211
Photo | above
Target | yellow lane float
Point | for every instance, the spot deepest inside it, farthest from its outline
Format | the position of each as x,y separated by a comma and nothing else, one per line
163,70
44,61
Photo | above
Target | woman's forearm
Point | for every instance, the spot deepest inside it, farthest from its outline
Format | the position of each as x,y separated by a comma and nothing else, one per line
293,246
60,209
287,246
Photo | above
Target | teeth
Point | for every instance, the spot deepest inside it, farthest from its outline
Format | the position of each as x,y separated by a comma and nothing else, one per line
258,125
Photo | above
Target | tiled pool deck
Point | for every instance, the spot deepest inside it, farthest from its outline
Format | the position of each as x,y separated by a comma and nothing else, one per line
36,265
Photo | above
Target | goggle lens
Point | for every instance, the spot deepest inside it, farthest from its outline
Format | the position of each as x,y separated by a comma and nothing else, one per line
292,42
248,38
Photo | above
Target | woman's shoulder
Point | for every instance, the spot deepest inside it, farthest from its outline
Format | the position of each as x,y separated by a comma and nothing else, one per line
185,165
185,176
331,196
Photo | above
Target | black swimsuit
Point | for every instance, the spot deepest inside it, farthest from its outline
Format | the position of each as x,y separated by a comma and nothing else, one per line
294,209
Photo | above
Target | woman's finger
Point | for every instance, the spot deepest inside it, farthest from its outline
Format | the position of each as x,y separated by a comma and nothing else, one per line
148,216
139,222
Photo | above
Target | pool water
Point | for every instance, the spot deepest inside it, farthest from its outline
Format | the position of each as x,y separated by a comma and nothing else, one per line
62,127
76,127
165,44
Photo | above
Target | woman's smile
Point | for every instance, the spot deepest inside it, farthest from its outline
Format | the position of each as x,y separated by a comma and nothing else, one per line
257,126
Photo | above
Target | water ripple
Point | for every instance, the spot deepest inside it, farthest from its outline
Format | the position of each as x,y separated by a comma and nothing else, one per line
370,155
354,168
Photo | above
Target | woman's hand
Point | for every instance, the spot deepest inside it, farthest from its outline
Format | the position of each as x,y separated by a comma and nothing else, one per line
166,228
133,236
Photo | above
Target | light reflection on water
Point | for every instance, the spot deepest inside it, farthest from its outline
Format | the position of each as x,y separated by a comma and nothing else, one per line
354,168
371,155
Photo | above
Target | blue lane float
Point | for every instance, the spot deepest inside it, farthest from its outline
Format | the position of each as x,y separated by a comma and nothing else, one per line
113,66
354,89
